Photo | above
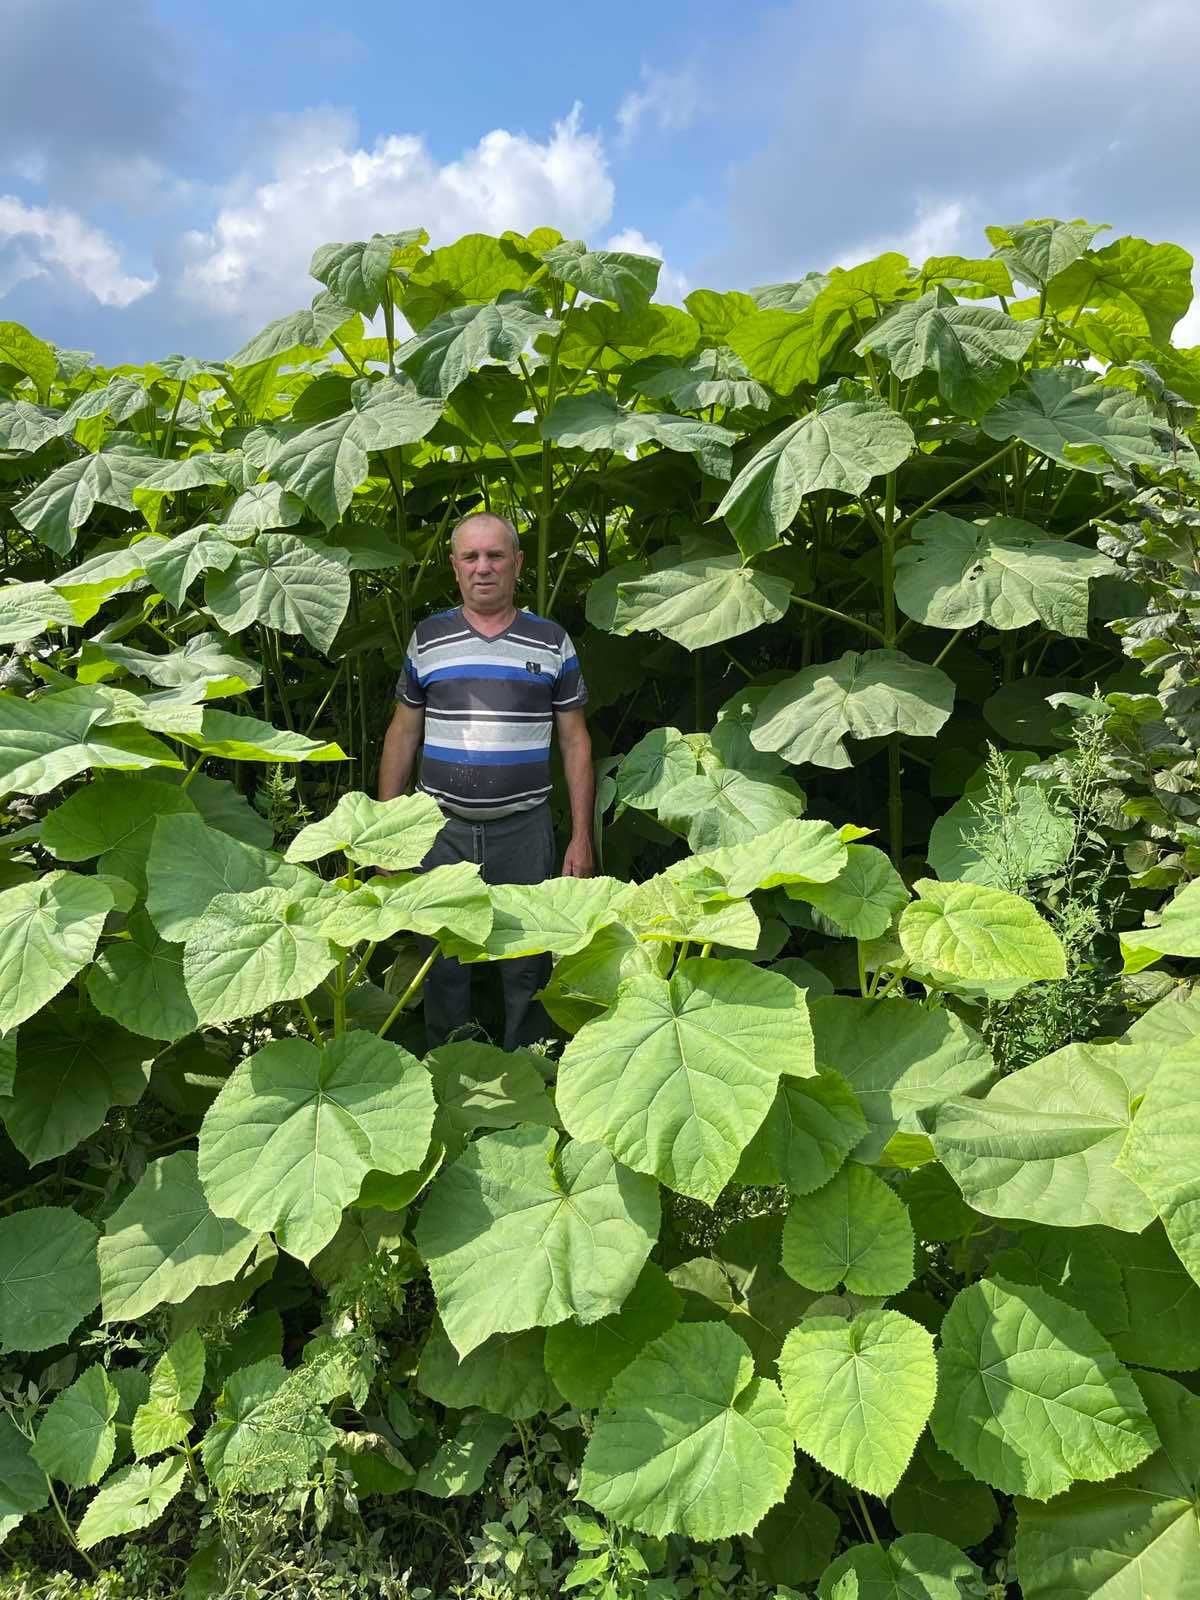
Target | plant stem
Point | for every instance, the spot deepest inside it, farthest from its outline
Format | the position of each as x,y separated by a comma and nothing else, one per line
416,983
838,616
943,494
313,1026
947,647
339,1000
867,1517
66,1527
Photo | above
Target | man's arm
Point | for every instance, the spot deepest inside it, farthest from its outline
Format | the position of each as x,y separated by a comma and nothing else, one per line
400,745
576,746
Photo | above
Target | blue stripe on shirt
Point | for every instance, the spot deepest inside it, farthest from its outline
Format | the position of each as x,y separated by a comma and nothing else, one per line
470,670
487,758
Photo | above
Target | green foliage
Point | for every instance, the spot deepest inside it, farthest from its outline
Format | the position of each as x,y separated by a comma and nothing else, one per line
867,1138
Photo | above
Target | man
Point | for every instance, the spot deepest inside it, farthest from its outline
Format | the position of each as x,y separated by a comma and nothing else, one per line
482,686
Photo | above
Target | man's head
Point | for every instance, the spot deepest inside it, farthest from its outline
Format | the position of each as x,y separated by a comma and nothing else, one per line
486,556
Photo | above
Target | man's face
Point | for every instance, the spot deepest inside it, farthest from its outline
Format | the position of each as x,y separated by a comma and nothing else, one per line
486,566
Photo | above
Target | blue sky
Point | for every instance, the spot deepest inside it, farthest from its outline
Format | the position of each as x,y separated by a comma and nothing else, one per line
166,169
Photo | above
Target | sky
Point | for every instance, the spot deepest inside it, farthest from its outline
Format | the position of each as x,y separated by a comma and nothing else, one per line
167,168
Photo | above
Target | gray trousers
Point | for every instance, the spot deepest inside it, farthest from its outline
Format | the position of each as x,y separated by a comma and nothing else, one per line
516,849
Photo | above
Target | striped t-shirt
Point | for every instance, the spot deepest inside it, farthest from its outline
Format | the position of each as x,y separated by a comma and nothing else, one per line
489,707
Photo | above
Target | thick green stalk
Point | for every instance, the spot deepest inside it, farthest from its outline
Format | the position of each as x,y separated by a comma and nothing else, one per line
895,790
416,983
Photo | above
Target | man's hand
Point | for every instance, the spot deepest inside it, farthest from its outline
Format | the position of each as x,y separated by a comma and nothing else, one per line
579,859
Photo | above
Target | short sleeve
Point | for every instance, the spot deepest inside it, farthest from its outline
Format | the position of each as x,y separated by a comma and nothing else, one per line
570,691
408,685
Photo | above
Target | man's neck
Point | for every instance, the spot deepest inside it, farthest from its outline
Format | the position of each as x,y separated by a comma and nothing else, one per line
490,622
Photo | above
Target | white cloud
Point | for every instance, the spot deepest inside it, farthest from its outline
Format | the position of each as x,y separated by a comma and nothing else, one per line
252,263
42,242
668,100
672,285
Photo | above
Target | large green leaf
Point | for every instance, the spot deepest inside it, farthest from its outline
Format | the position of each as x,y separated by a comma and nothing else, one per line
858,1393
1075,1265
283,583
690,1441
853,1231
594,421
865,695
919,1566
267,1431
712,377
516,1237
191,863
48,1276
299,333
723,808
48,931
459,1464
1162,1302
1037,251
656,763
790,853
27,427
23,1486
810,1130
61,504
231,737
261,506
45,741
174,566
138,982
677,1078
396,834
27,609
70,1071
163,1241
447,350
561,915
1080,423
1152,280
1134,1538
76,1440
782,347
449,901
325,464
247,951
506,1374
113,817
662,912
974,350
900,1059
289,1139
1043,1143
584,985
699,603
1177,932
132,1499
480,1086
1030,1397
205,660
1004,572
584,1360
968,931
936,1496
863,899
628,280
357,273
847,441
1162,1152
21,349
